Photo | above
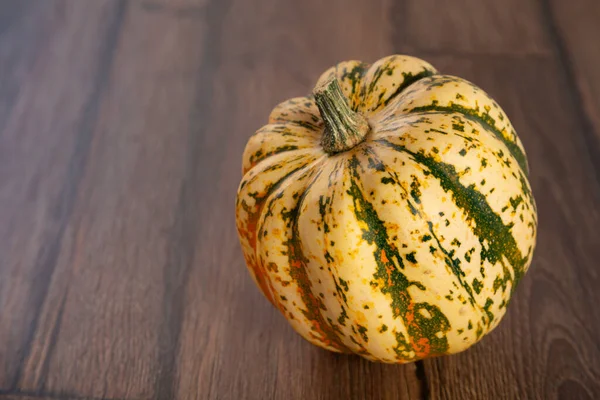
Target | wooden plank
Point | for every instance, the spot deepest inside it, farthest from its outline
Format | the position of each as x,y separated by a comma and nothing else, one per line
574,27
100,334
232,343
41,397
52,59
172,5
183,9
19,397
512,27
47,396
547,345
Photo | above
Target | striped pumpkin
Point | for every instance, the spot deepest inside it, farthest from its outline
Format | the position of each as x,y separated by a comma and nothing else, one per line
389,213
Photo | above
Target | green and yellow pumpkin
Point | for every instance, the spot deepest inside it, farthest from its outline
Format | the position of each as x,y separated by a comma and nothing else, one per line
389,213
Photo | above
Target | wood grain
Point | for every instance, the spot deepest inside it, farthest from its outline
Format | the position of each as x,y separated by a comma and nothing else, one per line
122,124
509,27
106,305
576,31
170,6
36,397
20,395
45,117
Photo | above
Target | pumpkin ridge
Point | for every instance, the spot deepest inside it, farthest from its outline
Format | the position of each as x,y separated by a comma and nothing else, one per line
267,200
299,273
284,129
487,123
392,74
525,188
352,330
291,139
291,112
488,224
418,211
252,230
303,124
454,265
422,339
326,209
409,79
355,76
276,162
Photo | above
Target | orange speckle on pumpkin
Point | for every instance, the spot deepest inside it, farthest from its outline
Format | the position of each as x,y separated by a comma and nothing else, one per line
410,314
296,264
422,347
389,268
384,257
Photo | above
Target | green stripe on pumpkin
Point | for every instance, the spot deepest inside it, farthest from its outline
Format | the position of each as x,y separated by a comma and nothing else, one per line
259,155
354,76
325,330
409,79
422,331
484,120
253,217
451,262
488,225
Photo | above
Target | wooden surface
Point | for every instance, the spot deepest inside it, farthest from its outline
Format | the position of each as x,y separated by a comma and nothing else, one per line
122,124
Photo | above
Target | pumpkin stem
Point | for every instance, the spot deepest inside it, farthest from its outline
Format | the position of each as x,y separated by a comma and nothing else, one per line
344,128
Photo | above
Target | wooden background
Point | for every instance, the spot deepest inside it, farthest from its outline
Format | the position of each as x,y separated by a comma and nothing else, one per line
122,124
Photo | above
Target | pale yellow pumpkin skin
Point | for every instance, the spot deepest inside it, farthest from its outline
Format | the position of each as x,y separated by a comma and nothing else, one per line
408,245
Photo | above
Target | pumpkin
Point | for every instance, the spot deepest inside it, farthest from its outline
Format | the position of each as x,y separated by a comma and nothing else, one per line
389,213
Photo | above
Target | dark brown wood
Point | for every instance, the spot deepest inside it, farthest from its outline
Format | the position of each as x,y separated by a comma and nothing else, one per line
121,269
575,29
52,61
37,397
510,27
47,396
122,124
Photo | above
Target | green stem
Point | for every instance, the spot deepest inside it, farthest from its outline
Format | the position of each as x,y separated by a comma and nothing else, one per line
344,128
